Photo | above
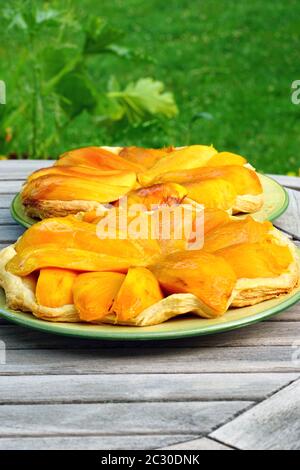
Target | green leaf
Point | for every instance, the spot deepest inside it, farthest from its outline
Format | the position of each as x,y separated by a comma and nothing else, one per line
146,96
108,110
57,62
77,94
113,84
99,35
119,51
46,16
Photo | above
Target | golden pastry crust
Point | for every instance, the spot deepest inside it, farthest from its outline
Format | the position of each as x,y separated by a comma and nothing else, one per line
248,203
253,291
44,209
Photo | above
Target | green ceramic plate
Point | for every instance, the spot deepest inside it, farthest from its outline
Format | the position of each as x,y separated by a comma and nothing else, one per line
181,327
276,202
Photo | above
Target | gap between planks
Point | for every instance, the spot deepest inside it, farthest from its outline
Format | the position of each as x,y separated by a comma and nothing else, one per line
272,424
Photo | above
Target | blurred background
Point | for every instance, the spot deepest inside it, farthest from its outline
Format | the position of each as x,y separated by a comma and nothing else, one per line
151,73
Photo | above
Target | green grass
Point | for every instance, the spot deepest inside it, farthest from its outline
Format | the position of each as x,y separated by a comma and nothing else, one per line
234,59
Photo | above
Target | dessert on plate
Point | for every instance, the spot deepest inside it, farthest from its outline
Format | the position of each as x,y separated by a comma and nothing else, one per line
85,179
61,271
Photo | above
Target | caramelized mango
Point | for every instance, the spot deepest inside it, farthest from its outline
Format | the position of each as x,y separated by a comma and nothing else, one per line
50,256
143,156
110,177
215,193
94,294
226,158
254,260
73,188
166,194
97,157
68,232
214,218
244,180
54,287
235,232
190,157
139,291
210,278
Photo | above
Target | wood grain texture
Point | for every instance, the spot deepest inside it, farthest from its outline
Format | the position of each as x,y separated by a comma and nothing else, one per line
140,388
150,360
20,169
119,418
5,199
134,442
292,314
203,443
10,233
289,222
271,425
6,218
287,181
10,186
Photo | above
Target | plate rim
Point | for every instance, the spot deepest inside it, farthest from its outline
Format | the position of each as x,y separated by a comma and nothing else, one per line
277,213
50,327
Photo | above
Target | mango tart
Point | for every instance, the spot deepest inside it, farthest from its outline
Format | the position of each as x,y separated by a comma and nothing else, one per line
83,180
60,271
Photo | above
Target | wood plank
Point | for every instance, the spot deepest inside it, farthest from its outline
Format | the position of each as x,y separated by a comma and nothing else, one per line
132,442
140,388
5,200
261,334
292,314
289,222
20,169
13,186
288,181
10,233
203,443
117,418
3,245
272,425
6,218
154,360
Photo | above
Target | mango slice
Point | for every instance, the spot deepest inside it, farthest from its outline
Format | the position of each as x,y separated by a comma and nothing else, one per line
152,197
68,232
214,218
226,158
210,278
139,291
254,260
235,232
97,157
215,193
73,188
143,156
186,158
94,294
50,256
54,287
244,180
110,177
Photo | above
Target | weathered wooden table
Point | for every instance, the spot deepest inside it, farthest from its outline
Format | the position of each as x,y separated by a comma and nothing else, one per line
236,390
